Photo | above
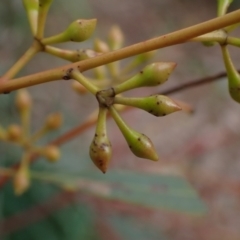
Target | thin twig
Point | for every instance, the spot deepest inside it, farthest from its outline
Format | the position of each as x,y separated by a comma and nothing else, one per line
195,83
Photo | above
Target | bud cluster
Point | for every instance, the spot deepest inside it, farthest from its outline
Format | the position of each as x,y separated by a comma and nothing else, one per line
111,81
78,31
108,83
109,99
19,134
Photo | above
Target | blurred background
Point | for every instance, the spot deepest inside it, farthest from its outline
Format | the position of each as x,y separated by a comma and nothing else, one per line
193,192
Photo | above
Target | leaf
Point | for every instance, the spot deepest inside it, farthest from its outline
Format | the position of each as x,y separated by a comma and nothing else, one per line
72,222
172,193
159,191
131,228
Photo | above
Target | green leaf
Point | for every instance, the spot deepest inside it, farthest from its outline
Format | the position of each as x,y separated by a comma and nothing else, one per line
172,193
73,222
150,190
129,228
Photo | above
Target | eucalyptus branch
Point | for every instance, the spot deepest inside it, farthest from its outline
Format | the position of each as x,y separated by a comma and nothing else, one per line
173,38
92,119
210,32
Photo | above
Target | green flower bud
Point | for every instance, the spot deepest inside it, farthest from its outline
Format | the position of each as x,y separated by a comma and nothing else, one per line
157,105
115,38
54,121
152,75
140,145
23,100
81,30
52,153
14,133
21,181
77,31
233,75
100,149
100,46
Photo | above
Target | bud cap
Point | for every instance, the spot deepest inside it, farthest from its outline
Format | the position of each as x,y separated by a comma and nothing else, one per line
139,144
152,75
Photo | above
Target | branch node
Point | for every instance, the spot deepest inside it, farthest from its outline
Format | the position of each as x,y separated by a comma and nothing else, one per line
67,75
106,97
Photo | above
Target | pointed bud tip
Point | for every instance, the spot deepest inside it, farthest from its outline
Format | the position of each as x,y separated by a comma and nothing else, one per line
177,107
103,171
157,73
173,64
170,65
154,157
